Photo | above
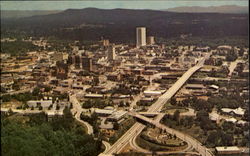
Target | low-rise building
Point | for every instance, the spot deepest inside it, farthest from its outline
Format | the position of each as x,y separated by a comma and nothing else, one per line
228,150
152,93
43,103
117,116
214,87
195,86
94,96
103,112
234,112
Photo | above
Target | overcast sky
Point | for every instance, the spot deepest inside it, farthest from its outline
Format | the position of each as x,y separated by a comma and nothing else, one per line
108,4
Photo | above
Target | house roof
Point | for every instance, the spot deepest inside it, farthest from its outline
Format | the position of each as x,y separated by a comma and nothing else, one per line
238,111
214,86
233,120
93,95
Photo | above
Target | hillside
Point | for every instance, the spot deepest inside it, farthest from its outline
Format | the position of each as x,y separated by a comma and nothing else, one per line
25,13
119,24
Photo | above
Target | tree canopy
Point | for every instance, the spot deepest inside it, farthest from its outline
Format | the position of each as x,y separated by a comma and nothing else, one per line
37,136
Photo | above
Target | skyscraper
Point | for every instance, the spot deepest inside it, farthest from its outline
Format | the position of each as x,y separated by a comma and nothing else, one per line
87,63
77,61
140,36
111,53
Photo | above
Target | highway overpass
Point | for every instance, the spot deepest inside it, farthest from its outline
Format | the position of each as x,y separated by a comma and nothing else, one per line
136,129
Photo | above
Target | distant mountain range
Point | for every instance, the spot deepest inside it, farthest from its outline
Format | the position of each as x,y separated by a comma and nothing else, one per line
211,9
119,25
25,13
194,9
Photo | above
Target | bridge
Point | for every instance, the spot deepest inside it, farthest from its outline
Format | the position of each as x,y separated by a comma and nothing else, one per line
136,129
150,114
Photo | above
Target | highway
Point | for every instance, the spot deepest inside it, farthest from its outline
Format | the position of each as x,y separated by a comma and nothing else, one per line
191,141
136,129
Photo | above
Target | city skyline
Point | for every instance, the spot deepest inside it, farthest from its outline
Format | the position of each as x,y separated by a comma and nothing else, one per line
146,79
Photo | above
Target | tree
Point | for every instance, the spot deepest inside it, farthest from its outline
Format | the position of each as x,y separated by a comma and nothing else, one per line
16,86
40,108
36,91
231,56
121,104
25,106
176,115
202,115
57,106
50,106
213,138
6,98
173,101
227,126
10,112
174,136
47,89
219,62
116,126
227,139
44,140
241,52
200,104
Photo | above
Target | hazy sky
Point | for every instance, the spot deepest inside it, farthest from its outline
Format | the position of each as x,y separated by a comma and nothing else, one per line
108,4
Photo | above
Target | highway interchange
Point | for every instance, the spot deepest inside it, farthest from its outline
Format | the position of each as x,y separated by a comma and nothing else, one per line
136,129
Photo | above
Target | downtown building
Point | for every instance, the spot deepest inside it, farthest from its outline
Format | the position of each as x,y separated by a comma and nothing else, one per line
87,63
111,53
150,40
140,36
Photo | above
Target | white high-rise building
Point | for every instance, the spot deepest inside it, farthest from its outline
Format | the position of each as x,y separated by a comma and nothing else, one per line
111,53
150,40
140,36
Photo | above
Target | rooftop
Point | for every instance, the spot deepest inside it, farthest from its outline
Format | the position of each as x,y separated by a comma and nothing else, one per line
227,148
94,95
195,86
104,111
238,111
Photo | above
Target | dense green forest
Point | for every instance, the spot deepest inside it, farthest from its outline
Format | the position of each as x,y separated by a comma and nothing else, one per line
17,47
35,135
213,42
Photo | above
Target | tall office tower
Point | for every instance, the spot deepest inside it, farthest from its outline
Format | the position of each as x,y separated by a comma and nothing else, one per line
87,63
150,40
111,53
71,60
77,61
140,36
